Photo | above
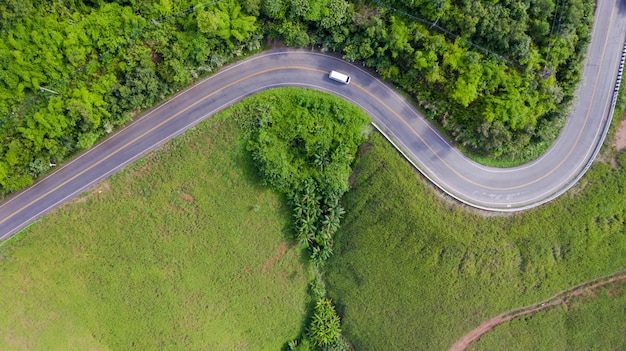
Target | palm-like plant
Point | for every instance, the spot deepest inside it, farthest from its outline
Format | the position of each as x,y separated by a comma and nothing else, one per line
321,160
324,329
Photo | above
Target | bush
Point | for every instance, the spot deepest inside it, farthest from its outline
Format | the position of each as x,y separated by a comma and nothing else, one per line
324,329
304,145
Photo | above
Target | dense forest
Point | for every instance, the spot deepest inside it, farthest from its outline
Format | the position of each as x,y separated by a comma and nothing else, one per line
498,76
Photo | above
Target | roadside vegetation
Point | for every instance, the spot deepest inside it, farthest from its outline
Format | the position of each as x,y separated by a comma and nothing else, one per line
414,270
619,117
500,87
184,250
105,61
498,77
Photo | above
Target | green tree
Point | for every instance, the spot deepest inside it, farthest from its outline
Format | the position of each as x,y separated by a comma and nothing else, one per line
275,9
11,11
227,22
333,13
399,37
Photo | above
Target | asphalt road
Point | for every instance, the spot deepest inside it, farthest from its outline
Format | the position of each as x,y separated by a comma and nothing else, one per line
501,189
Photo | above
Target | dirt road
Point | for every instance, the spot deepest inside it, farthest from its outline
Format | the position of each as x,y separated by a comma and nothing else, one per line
562,297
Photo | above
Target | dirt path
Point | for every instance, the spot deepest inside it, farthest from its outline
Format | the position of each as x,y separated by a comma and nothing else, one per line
560,298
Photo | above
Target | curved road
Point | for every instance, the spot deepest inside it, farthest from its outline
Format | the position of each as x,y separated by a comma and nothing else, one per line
503,189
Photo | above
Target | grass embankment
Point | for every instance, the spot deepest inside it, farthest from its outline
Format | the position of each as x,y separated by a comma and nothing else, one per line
185,250
414,271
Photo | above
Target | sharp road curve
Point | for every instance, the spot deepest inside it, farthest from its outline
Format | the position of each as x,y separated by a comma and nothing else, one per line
500,189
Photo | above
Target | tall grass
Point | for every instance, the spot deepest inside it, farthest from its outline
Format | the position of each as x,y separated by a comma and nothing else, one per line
413,271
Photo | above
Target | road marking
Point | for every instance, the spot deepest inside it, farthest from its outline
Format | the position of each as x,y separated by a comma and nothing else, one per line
310,69
580,132
113,153
408,125
563,160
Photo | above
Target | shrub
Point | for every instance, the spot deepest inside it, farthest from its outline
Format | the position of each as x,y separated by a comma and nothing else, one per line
324,329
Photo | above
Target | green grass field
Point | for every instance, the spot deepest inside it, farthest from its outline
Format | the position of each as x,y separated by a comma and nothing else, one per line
414,271
595,321
184,250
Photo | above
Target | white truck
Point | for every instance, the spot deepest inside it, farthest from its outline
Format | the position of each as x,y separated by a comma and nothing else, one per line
340,77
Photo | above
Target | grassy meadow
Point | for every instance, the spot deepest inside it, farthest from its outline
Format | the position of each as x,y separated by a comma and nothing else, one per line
184,250
595,321
413,270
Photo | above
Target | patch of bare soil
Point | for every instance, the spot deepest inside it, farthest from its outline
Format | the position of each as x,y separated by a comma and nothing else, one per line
562,297
620,136
187,197
272,261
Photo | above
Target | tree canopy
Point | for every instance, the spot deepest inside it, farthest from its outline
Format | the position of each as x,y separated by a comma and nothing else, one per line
498,76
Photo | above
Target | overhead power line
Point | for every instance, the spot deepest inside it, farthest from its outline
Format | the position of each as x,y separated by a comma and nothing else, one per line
100,57
431,25
554,25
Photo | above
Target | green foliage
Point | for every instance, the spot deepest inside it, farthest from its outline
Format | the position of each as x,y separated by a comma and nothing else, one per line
316,221
42,50
299,345
107,61
304,144
274,9
324,329
11,11
510,108
405,256
303,139
292,33
328,13
227,22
